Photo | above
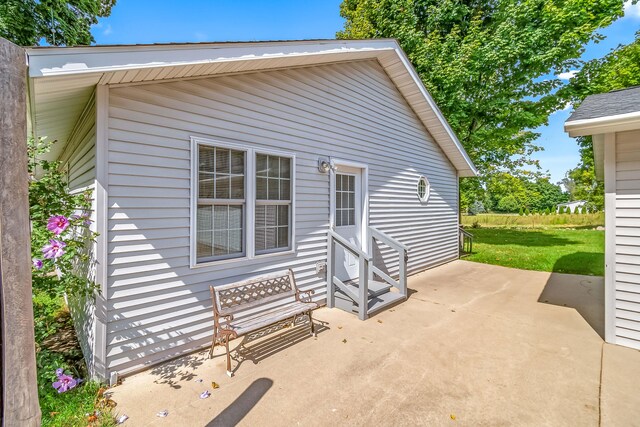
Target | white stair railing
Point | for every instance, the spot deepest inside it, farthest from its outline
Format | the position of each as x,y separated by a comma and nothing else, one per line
366,269
402,251
364,261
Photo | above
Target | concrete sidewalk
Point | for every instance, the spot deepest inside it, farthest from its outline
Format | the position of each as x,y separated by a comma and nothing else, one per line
474,345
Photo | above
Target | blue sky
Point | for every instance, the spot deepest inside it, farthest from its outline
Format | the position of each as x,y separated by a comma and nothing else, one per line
153,21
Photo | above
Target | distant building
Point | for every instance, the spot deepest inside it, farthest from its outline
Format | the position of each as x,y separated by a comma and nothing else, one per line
571,205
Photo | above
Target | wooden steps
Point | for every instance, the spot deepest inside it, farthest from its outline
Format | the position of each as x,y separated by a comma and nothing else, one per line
380,296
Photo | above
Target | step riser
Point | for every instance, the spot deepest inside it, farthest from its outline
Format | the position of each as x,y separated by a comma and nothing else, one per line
346,304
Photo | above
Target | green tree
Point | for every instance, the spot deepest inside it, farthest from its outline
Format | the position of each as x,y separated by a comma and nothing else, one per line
545,195
59,22
521,212
486,63
508,204
527,212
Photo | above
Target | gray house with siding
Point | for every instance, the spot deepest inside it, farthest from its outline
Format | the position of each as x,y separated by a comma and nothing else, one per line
215,162
613,121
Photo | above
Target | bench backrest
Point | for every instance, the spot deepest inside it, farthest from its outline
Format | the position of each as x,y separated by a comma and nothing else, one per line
229,299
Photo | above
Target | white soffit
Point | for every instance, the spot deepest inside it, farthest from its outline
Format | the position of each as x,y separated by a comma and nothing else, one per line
62,79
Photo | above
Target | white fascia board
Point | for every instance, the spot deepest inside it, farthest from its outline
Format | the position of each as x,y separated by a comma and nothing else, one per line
602,125
75,61
432,104
65,61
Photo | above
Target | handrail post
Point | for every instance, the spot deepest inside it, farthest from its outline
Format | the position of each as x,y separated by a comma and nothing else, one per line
363,296
370,242
403,272
331,288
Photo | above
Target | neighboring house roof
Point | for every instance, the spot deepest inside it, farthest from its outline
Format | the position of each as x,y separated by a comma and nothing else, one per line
614,111
603,113
62,79
622,101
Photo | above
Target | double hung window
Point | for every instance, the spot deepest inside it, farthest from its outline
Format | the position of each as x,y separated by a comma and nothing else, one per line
243,202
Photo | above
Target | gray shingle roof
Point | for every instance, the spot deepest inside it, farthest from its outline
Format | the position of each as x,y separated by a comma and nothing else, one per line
608,104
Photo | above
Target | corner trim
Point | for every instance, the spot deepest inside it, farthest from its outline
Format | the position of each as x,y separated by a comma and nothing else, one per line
102,214
610,237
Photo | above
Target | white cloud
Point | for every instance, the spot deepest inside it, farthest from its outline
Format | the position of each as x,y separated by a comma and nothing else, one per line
632,10
568,75
107,30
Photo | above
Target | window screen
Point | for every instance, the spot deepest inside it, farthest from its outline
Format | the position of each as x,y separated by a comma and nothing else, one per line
273,203
345,200
221,203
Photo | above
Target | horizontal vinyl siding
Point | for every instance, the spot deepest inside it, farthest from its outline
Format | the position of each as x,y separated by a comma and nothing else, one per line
79,159
627,280
157,305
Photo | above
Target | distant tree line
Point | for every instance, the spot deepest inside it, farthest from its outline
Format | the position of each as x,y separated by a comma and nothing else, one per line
507,193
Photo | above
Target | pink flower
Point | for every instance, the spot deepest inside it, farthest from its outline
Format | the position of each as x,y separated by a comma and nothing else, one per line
54,249
64,383
37,263
57,224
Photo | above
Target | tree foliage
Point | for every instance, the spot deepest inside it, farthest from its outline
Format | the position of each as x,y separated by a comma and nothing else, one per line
58,22
484,61
511,193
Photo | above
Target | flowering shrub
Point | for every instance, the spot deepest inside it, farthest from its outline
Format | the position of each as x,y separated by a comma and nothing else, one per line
61,245
61,238
65,382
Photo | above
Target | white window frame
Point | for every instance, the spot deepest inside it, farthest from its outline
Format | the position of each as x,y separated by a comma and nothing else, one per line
424,199
275,202
250,203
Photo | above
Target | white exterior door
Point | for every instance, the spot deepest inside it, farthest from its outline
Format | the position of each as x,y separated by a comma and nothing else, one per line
348,204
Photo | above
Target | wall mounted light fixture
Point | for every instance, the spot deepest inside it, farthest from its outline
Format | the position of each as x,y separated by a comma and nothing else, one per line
324,165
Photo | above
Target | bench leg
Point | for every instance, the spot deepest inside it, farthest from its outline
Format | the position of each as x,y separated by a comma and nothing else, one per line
226,344
213,345
313,328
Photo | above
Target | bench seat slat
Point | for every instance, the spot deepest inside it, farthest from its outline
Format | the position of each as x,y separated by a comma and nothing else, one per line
261,320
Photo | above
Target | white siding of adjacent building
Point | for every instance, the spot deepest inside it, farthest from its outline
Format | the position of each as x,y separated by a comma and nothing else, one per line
627,239
157,306
79,160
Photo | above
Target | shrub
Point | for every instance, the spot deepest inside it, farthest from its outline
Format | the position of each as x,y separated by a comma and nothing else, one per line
508,204
61,240
60,231
527,212
521,212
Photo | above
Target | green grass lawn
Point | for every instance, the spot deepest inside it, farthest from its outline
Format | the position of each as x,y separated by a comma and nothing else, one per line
558,250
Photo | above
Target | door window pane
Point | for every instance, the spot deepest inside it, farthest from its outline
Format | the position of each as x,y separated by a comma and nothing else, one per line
345,200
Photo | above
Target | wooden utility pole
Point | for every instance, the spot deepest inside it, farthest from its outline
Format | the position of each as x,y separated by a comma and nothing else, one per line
19,388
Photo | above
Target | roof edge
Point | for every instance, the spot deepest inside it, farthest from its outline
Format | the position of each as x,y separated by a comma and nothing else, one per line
615,123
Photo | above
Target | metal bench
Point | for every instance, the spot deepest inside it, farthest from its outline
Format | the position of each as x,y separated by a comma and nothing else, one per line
228,300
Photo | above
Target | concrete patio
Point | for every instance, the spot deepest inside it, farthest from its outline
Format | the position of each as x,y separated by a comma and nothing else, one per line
474,345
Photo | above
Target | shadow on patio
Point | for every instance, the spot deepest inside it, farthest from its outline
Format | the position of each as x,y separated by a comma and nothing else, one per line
236,411
585,294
